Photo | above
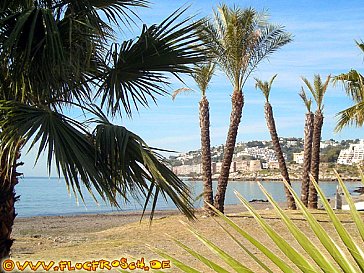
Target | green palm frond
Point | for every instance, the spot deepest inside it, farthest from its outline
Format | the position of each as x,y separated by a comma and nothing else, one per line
360,45
353,83
137,69
46,57
353,115
265,87
65,141
202,75
306,101
119,10
137,169
318,89
111,160
268,39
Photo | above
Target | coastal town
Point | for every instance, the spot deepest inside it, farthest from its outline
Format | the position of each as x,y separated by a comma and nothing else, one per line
256,160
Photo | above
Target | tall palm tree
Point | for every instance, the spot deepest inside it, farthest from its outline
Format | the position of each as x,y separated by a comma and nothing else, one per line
265,87
308,133
318,90
353,83
239,39
57,55
202,76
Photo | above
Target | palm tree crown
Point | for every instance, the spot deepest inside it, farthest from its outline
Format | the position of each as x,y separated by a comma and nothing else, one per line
265,87
240,38
203,74
318,89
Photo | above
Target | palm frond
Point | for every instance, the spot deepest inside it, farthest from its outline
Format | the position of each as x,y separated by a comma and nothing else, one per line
266,41
111,160
318,89
360,45
306,101
49,58
119,10
265,87
352,116
137,169
180,91
202,75
353,83
137,69
66,143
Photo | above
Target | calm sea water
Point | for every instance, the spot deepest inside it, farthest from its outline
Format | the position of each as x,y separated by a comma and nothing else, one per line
49,196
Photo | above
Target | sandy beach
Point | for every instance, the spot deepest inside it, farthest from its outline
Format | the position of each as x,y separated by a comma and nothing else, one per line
114,236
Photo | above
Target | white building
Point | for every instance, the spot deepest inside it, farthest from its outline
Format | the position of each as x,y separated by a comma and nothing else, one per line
298,157
355,154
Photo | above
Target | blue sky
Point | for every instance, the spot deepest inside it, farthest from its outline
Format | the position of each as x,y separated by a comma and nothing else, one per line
324,34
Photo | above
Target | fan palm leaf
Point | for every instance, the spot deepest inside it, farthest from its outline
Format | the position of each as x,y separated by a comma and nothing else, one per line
137,68
111,160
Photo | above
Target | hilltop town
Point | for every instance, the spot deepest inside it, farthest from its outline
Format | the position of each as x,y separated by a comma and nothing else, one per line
256,160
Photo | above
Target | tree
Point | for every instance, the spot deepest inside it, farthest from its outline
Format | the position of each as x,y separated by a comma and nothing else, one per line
353,83
265,87
308,132
57,55
239,39
318,91
202,76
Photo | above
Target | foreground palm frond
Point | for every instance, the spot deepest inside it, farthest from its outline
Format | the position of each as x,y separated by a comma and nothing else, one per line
136,69
341,253
111,160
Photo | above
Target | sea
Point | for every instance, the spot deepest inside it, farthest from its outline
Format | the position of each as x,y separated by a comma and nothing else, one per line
40,196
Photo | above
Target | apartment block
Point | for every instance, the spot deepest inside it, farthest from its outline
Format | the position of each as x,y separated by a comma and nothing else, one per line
353,155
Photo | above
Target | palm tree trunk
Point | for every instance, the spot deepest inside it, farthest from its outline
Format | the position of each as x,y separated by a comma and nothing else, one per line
315,160
237,102
7,202
279,154
307,158
206,153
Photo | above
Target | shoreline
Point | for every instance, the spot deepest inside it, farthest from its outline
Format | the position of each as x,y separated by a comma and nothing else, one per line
276,179
136,214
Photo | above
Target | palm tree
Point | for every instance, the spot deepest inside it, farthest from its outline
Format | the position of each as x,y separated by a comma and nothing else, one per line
202,76
239,39
57,55
307,149
353,83
265,87
318,91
